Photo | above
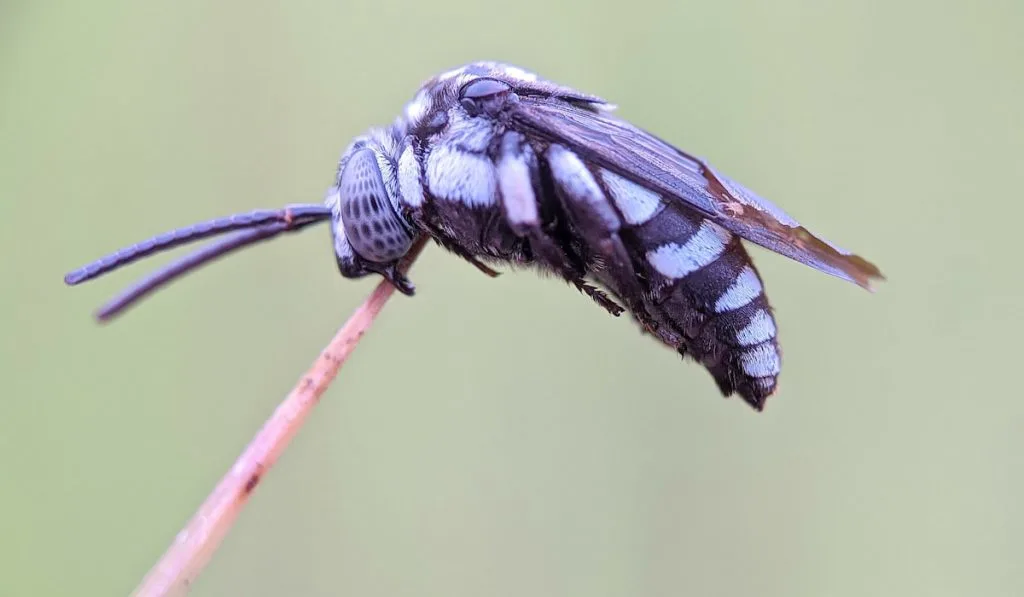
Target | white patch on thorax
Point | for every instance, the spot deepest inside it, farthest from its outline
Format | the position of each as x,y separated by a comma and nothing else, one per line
704,247
460,176
468,134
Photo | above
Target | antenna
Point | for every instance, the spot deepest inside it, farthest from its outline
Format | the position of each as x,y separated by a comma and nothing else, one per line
249,228
193,233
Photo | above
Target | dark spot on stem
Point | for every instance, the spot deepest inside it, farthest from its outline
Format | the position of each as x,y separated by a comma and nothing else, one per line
251,484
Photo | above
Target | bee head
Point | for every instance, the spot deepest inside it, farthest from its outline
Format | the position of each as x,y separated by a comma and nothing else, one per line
370,234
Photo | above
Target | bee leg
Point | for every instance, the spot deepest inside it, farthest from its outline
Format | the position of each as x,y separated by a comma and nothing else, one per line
391,273
548,253
483,267
620,269
599,297
519,184
461,252
598,223
398,280
426,218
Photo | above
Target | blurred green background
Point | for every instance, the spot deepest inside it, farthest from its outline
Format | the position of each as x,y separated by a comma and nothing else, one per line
507,437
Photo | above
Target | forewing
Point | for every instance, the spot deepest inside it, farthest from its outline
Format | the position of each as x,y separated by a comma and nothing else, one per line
636,154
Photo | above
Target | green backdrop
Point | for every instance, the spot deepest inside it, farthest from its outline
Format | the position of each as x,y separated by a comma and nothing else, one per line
506,437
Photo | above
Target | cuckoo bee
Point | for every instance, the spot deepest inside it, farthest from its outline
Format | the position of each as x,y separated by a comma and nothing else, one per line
500,166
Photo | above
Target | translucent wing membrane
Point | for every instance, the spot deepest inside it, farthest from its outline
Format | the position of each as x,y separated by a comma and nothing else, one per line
249,228
648,161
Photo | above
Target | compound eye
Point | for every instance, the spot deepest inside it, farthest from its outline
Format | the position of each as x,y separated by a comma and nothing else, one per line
483,95
371,225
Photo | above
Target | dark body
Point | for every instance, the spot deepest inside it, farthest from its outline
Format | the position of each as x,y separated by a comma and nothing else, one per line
501,167
594,244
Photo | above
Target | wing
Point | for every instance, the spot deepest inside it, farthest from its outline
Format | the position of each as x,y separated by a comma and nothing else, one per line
650,162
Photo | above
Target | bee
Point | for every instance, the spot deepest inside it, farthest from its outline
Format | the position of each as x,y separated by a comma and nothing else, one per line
502,167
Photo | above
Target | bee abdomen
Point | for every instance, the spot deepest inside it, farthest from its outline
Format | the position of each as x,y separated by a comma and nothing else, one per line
705,292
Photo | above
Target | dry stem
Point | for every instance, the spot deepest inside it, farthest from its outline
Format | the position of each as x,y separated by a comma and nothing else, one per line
196,543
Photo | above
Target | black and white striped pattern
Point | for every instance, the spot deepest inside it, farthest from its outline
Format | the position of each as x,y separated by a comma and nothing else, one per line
492,182
702,295
704,292
498,165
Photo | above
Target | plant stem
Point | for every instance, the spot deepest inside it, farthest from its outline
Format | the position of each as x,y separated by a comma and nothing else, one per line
195,545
